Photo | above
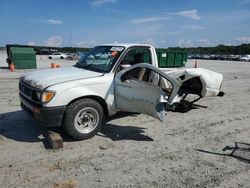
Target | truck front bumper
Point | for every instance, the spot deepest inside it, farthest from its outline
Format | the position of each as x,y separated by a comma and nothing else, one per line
48,116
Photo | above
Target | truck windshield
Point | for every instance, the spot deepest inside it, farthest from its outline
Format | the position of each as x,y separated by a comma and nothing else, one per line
100,58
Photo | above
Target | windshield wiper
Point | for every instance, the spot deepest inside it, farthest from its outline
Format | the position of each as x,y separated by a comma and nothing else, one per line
79,65
88,67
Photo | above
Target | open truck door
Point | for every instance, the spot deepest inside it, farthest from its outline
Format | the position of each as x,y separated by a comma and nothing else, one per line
144,89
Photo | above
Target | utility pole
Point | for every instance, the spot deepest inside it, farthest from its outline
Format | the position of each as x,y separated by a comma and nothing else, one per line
70,42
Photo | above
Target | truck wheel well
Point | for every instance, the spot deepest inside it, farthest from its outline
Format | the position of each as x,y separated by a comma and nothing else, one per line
191,86
100,100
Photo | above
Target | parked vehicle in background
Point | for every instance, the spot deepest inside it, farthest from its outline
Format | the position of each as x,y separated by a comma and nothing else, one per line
220,57
72,56
205,56
199,56
46,51
244,58
57,55
214,57
194,56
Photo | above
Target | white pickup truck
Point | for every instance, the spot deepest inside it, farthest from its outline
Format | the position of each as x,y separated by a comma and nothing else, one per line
111,78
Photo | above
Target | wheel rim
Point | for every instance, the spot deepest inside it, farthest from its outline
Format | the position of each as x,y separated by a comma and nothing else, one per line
86,120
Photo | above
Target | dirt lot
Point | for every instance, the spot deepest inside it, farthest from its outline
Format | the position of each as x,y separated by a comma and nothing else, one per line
206,147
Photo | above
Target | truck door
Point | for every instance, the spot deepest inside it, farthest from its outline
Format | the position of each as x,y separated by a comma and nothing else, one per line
143,89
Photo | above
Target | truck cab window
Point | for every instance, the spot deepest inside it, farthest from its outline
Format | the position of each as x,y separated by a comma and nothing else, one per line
137,55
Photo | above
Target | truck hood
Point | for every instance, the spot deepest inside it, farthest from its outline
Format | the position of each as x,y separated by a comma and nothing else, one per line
44,78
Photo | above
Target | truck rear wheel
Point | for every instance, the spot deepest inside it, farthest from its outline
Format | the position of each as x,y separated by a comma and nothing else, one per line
83,119
185,106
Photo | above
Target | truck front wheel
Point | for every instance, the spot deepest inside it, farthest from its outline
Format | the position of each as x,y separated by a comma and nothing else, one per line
83,119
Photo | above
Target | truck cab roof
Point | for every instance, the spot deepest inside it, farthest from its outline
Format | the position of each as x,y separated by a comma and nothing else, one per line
127,45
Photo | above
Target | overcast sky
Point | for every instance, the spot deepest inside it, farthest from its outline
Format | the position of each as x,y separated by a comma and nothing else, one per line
163,23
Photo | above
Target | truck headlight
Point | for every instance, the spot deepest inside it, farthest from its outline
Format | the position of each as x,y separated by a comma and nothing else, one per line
47,96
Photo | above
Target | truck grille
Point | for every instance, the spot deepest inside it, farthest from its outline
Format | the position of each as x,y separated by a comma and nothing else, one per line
28,92
25,89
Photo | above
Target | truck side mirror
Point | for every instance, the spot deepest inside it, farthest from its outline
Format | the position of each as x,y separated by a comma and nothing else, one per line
123,77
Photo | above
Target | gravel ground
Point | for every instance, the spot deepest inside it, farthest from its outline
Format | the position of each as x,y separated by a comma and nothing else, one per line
206,147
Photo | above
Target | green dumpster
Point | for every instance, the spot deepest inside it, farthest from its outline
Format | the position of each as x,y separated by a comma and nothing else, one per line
169,59
22,58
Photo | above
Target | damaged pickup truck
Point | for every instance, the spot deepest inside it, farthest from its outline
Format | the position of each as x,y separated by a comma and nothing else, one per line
109,79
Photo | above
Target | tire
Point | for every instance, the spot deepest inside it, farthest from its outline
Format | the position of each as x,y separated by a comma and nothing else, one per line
182,106
62,57
83,119
50,57
185,106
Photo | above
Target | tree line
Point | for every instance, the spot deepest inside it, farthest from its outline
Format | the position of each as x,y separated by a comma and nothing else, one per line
243,49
